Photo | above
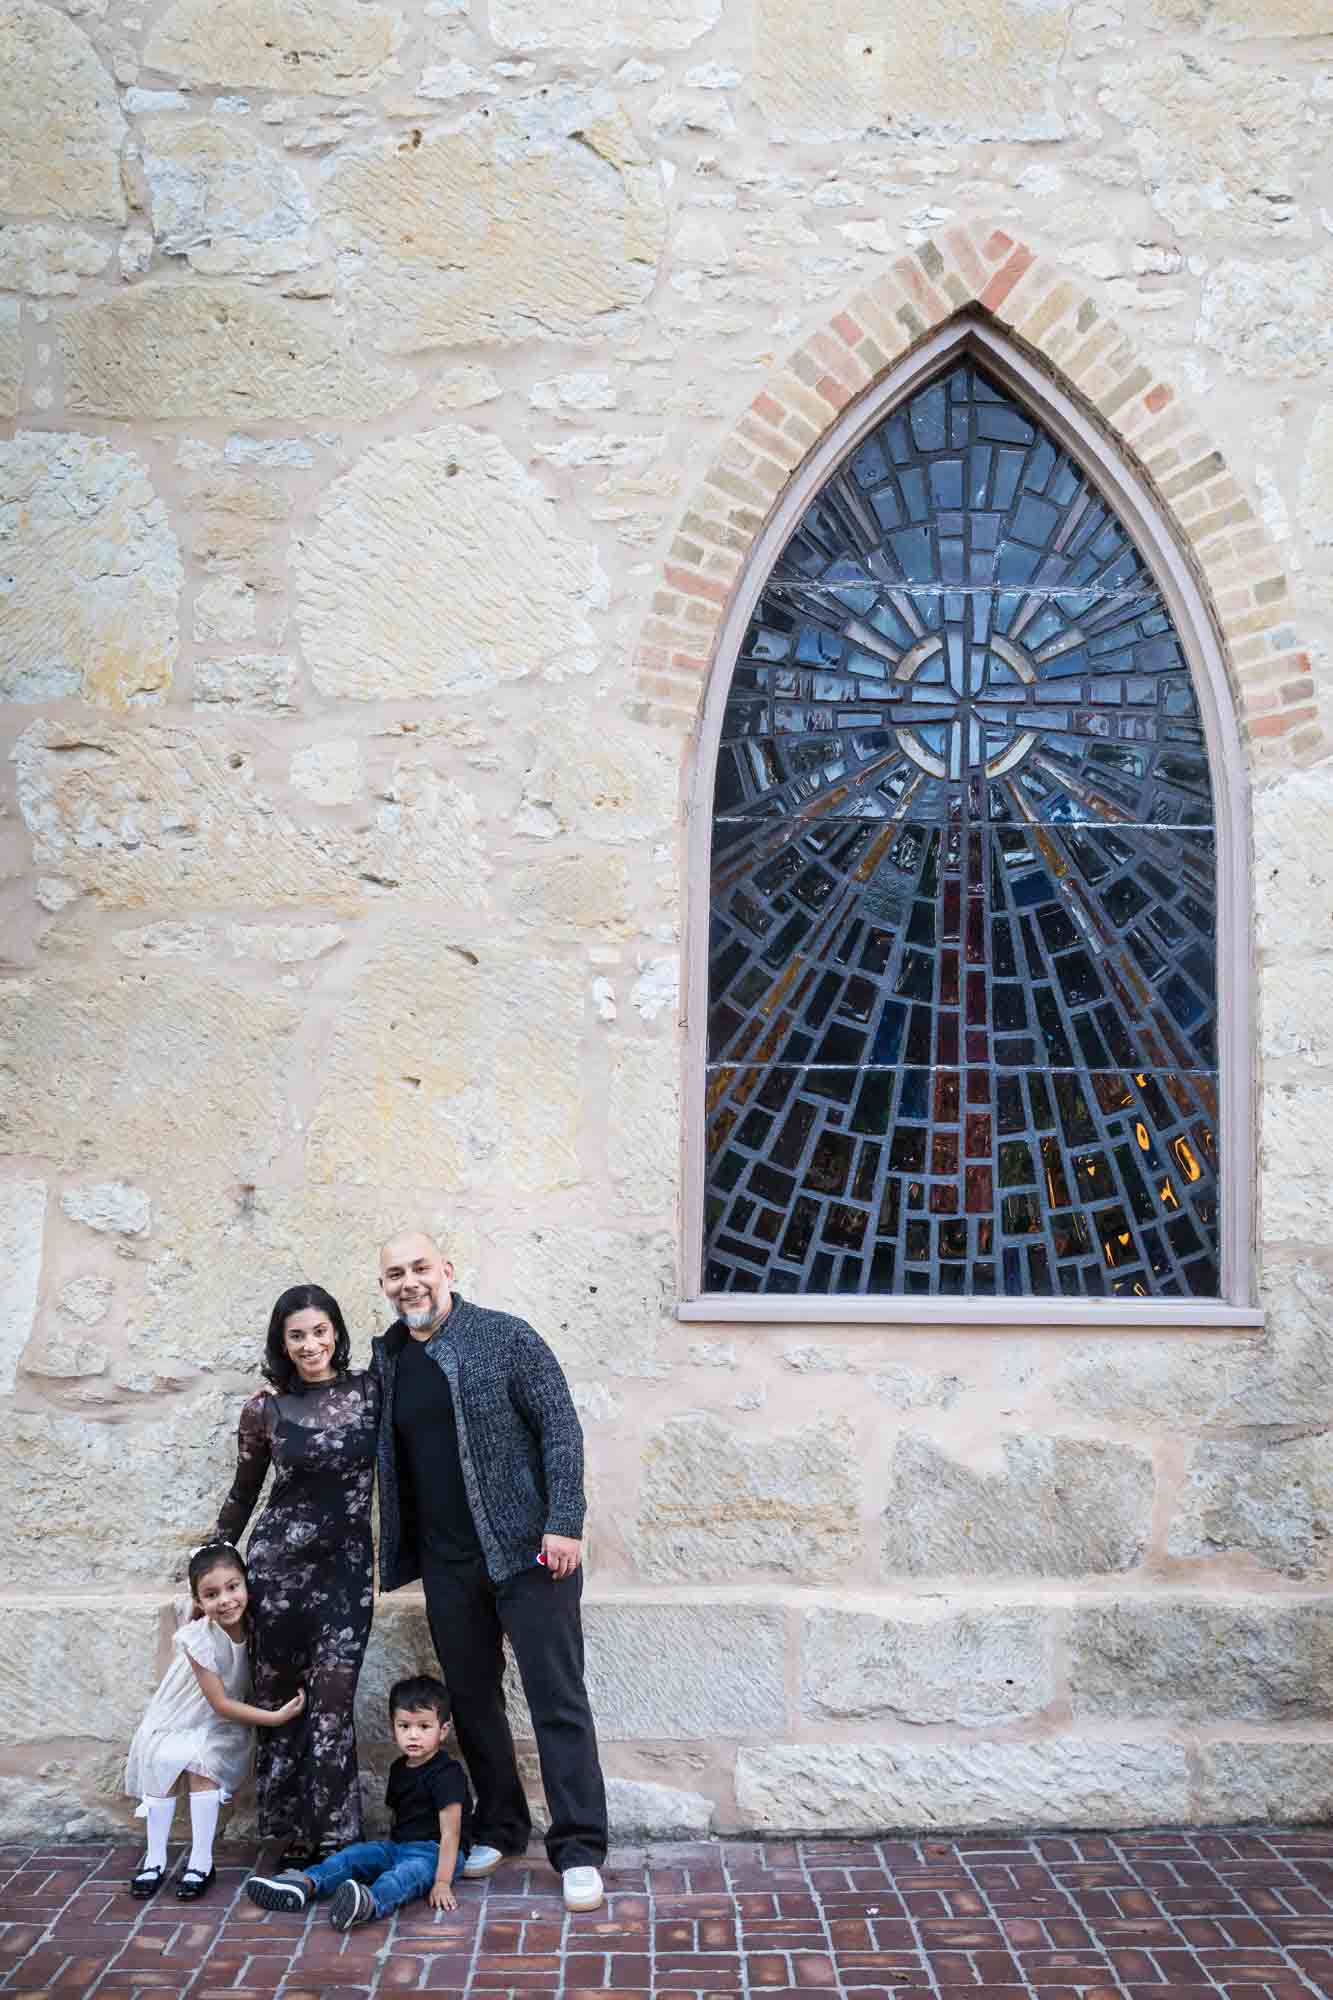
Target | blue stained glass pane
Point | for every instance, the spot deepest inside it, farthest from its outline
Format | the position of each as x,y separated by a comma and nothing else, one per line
963,961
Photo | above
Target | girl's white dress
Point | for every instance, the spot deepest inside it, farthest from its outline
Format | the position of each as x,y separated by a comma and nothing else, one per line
180,1732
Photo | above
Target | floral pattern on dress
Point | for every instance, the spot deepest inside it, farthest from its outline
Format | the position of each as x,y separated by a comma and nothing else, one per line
311,1596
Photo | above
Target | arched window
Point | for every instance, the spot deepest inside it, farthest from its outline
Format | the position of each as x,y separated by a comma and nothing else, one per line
962,965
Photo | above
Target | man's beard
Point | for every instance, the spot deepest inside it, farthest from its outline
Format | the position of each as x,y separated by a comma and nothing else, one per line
421,1316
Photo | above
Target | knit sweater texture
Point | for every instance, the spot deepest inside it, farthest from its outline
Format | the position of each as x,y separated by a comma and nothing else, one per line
520,1442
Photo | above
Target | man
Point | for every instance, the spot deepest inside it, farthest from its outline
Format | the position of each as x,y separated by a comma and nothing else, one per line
481,1495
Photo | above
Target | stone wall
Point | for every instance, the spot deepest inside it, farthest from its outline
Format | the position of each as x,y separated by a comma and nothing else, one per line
397,388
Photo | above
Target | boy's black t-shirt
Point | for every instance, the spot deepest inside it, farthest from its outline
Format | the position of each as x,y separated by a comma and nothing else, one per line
417,1797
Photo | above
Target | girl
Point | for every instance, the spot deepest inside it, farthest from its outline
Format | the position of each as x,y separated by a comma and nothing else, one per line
199,1723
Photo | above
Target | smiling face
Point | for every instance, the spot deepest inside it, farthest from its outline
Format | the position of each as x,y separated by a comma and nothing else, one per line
310,1338
418,1732
415,1279
221,1594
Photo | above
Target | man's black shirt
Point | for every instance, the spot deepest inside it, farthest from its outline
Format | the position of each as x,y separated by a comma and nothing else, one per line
427,1434
417,1797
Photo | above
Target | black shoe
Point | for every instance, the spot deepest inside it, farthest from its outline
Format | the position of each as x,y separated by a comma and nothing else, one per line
352,1904
288,1891
147,1882
193,1884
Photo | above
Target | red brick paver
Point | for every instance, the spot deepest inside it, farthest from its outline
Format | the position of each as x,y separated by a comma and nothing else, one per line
1153,1916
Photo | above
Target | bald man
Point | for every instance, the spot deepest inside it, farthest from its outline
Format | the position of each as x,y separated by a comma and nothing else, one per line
481,1496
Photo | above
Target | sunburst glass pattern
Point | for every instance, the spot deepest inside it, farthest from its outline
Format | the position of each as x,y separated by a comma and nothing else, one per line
961,1033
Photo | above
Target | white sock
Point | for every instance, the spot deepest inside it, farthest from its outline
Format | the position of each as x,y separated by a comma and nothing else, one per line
204,1810
159,1814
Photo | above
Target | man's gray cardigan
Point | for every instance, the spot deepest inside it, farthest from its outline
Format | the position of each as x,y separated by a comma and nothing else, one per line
519,1441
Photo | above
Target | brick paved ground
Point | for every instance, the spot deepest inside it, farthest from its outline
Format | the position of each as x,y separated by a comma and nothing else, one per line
1048,1918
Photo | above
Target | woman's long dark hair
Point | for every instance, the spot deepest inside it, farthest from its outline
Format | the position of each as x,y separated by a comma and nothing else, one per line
277,1366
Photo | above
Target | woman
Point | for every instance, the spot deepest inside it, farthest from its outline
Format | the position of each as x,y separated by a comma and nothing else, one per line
309,1558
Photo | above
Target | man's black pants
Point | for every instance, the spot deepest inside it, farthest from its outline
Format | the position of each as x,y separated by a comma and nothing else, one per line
539,1614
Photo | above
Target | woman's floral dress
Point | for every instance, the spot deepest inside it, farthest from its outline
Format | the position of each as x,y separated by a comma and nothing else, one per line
311,1596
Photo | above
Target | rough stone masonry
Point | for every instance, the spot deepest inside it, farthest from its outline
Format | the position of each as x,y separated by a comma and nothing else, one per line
365,362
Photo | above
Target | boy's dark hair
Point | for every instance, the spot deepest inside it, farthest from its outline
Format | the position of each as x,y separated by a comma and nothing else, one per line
420,1691
277,1366
213,1555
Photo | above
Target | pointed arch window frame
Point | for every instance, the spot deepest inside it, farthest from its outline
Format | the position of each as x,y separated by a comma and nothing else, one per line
1113,470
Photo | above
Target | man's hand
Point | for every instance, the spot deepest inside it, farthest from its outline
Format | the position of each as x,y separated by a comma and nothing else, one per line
441,1895
563,1554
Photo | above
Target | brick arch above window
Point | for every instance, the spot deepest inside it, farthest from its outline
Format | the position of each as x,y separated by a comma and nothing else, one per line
1218,583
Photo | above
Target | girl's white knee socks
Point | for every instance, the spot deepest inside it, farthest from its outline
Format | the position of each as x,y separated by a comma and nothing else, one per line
159,1814
204,1810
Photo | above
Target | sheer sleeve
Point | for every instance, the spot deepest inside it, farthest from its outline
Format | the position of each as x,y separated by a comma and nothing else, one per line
372,1389
253,1456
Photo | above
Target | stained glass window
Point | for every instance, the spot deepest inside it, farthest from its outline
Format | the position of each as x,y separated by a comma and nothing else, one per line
961,1034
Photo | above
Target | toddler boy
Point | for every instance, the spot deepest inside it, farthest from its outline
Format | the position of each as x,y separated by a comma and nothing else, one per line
428,1797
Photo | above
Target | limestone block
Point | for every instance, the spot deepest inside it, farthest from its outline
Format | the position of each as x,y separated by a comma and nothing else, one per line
466,387
86,1299
1205,1658
274,454
169,350
110,1207
65,1360
329,48
869,1788
52,1808
612,785
719,1502
642,1122
1236,20
22,1221
1054,1506
471,1066
637,1810
225,609
169,1068
1317,479
973,1668
174,817
1297,1011
48,261
1220,144
74,1671
578,891
439,567
76,1512
534,220
915,1389
601,1297
1272,321
225,201
284,944
1269,1498
602,24
1293,868
684,1670
1296,1196
63,127
11,357
93,574
822,70
330,772
251,684
1286,1783
194,941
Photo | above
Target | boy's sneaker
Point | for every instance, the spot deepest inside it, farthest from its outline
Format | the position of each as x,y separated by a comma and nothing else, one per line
582,1888
287,1891
352,1904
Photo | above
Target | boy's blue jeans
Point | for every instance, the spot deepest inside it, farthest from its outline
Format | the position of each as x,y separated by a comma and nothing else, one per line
395,1871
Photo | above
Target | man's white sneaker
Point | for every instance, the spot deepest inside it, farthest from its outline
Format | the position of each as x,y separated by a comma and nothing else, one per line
583,1889
481,1861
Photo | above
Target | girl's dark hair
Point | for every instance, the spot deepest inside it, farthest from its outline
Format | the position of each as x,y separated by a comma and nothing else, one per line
277,1366
213,1555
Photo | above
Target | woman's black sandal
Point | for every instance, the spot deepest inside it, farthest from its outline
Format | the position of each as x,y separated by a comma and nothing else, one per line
147,1882
193,1884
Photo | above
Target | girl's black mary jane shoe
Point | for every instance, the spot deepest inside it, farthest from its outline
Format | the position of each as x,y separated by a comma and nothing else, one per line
147,1882
193,1884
